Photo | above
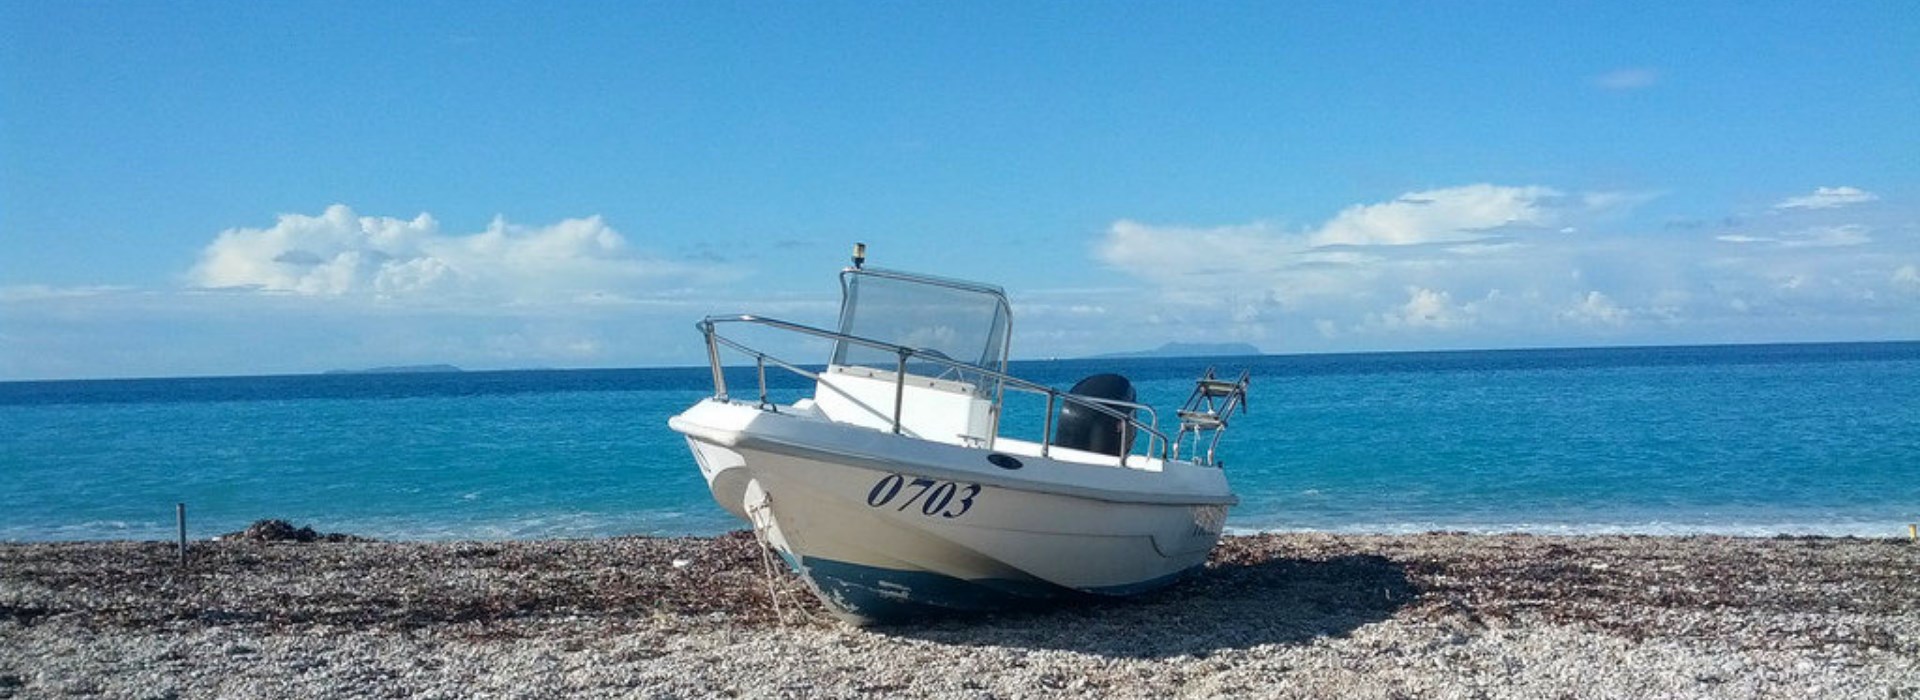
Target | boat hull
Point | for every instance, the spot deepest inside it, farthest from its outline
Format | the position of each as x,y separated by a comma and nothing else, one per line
885,527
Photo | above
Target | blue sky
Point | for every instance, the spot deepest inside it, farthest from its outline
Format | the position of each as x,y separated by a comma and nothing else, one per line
208,188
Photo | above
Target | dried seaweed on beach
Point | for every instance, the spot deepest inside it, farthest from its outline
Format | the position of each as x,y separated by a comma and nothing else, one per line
691,614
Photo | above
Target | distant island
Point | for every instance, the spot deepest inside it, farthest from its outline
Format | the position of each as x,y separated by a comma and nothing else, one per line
1191,350
401,369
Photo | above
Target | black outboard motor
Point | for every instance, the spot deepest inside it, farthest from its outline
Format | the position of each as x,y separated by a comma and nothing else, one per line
1084,428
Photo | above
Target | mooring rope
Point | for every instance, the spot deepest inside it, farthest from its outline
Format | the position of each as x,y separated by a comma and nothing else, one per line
760,513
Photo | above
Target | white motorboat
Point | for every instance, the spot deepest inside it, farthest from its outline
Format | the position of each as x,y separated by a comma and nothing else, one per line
893,491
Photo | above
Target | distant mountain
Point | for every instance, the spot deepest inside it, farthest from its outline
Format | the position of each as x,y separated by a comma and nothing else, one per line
401,369
1192,350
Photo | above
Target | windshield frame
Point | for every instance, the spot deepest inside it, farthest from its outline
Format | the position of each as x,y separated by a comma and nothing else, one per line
992,357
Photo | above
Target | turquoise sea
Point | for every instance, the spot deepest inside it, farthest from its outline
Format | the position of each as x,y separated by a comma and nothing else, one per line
1751,440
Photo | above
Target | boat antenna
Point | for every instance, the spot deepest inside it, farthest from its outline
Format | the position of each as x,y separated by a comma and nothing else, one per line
859,255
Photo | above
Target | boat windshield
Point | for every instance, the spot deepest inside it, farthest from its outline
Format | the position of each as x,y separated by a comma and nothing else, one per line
961,321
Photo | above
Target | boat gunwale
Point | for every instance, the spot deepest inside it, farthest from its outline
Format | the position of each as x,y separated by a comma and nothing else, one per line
743,439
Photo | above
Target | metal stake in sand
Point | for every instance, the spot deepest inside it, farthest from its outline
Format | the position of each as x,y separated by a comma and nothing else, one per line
180,517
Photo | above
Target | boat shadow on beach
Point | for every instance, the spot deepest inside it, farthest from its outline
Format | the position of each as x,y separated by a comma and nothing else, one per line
1227,605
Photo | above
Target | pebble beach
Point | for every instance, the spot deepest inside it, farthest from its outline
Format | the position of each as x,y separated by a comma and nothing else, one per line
1279,615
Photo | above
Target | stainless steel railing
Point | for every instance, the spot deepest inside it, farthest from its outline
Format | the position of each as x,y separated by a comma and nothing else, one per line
1157,442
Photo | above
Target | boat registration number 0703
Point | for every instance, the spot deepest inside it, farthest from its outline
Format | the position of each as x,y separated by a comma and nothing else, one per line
947,499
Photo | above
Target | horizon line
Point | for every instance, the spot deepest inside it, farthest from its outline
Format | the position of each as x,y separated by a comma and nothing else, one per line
455,369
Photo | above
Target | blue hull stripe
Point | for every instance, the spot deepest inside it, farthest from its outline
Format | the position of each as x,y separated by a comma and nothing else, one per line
879,595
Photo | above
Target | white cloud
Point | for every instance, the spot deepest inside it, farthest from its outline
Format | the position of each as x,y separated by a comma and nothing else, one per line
38,292
1596,308
1827,237
1489,265
1627,79
1426,308
149,333
1444,215
1616,201
1353,248
1451,215
1429,231
1160,252
1478,265
1907,278
338,254
1835,236
1828,198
